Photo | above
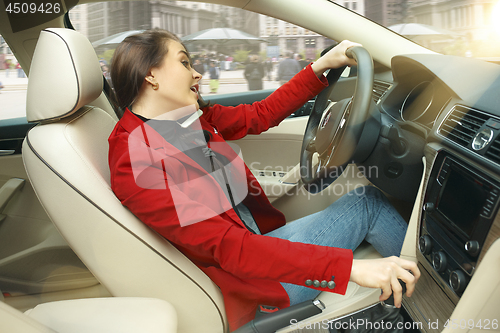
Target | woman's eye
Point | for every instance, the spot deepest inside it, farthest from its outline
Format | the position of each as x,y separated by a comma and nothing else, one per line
186,63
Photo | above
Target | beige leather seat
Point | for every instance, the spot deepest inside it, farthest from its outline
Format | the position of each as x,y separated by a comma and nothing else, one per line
66,160
98,315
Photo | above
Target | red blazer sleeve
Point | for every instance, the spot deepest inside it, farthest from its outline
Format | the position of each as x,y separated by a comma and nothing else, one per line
236,122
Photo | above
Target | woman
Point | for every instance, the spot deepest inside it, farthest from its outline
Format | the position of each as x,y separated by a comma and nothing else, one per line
254,72
171,167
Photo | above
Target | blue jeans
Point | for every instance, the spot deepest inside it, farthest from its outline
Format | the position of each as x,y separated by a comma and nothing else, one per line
362,214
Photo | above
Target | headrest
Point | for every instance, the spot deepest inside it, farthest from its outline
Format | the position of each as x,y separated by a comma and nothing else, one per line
64,76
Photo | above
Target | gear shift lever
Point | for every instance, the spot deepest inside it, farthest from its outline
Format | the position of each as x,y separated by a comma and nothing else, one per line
390,301
380,318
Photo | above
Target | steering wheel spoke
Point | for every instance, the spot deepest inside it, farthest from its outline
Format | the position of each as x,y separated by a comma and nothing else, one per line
322,162
311,145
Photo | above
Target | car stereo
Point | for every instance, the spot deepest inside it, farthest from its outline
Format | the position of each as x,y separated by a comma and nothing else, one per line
460,204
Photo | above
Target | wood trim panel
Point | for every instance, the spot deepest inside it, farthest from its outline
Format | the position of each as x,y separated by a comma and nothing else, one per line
493,235
431,315
420,307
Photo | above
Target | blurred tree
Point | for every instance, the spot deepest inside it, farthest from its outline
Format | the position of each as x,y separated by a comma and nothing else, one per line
459,47
263,55
107,55
318,54
241,55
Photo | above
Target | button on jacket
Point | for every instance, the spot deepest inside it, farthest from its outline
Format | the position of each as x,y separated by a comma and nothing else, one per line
247,267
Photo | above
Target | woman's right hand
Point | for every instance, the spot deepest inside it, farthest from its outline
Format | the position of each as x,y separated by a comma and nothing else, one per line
335,58
384,274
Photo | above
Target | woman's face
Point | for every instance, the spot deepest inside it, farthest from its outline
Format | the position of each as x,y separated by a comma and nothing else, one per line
178,81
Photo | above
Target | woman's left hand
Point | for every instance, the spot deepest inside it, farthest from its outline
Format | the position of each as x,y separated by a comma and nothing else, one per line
384,274
334,58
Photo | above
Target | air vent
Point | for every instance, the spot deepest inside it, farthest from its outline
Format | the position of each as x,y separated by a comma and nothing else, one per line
379,90
462,124
493,153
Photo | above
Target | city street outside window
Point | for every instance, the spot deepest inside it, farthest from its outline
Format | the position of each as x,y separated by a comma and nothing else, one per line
464,28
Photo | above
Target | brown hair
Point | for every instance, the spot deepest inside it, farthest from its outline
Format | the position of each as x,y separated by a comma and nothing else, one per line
133,59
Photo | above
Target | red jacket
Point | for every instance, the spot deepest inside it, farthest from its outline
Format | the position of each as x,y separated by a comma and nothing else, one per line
247,267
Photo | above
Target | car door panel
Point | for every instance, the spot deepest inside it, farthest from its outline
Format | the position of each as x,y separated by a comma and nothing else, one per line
240,98
12,132
34,258
273,155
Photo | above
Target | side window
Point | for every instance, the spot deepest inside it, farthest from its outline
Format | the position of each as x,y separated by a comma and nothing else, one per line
234,50
13,85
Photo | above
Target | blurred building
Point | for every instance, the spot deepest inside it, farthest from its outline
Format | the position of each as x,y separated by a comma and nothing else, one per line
5,53
469,18
179,17
183,18
286,37
386,12
357,6
78,17
4,48
106,19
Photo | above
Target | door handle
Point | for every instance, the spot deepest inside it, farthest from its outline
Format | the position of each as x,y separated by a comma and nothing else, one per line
8,190
4,152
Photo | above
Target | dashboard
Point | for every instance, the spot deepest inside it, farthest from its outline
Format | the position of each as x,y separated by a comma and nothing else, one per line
453,105
426,87
447,99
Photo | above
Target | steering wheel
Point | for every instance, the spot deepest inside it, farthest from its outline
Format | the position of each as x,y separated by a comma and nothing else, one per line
343,132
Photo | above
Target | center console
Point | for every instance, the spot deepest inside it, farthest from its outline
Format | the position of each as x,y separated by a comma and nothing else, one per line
460,204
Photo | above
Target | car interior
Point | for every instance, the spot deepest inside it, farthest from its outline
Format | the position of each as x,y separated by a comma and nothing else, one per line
73,259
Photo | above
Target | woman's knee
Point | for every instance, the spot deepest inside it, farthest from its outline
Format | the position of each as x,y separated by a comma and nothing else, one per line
368,192
373,197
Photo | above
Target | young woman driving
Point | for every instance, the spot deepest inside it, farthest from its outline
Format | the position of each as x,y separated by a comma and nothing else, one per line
245,248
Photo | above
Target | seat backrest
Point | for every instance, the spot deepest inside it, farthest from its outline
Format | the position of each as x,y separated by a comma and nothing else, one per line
66,159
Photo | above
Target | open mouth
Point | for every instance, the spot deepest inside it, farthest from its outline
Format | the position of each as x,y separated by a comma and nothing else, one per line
194,89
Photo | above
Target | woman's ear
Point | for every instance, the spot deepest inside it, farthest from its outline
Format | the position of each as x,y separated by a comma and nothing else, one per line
150,78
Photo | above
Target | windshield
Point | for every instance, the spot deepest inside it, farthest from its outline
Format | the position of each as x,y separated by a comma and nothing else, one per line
237,50
233,49
249,58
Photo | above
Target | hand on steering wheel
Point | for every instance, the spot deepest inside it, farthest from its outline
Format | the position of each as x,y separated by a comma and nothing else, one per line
343,132
334,57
